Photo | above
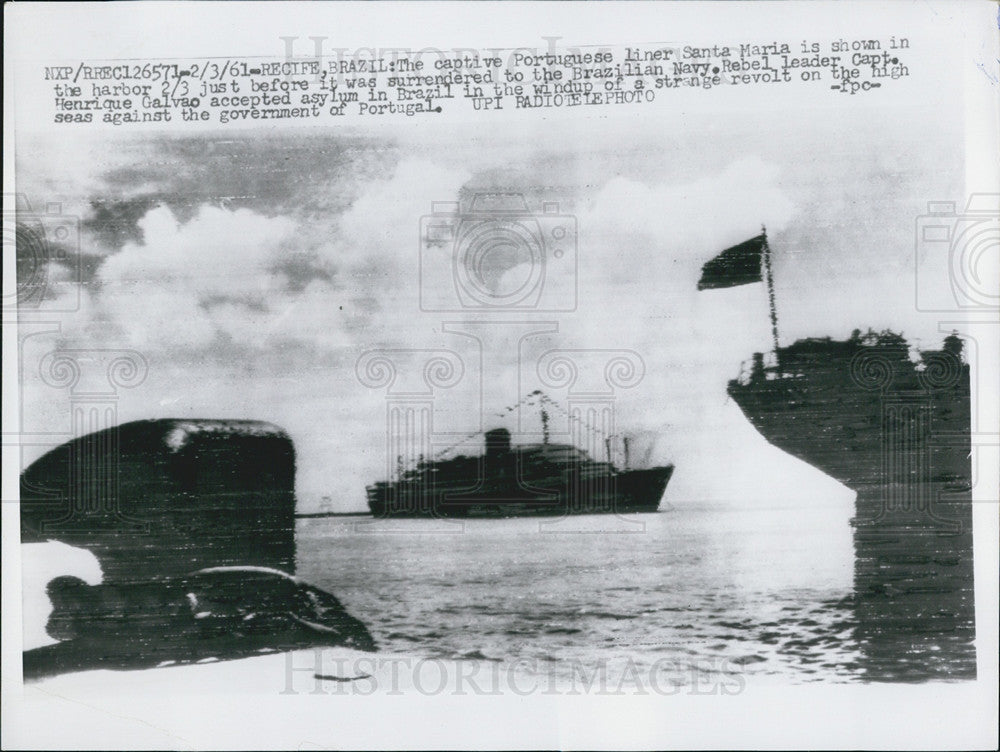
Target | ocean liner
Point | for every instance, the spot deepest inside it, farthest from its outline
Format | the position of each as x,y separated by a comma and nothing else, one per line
546,479
892,422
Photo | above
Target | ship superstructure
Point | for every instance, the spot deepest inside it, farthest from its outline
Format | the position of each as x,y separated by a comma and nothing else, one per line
510,480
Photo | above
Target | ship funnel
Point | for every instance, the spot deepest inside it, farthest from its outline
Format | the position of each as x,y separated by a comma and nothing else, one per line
497,449
497,442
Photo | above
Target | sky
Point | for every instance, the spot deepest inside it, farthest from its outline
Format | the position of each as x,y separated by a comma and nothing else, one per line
254,271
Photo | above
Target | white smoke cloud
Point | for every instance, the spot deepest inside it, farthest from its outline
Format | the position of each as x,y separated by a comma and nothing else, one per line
645,227
377,242
177,288
385,218
222,276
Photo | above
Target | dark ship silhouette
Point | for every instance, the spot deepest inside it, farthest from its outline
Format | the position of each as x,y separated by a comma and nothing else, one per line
193,523
869,411
893,423
157,498
545,479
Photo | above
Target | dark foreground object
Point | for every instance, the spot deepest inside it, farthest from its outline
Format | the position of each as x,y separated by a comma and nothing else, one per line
893,424
160,498
219,613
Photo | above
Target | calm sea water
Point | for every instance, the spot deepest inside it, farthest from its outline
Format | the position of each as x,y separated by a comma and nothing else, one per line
764,592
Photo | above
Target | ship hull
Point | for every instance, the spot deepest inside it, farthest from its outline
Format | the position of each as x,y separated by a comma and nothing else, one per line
628,492
900,438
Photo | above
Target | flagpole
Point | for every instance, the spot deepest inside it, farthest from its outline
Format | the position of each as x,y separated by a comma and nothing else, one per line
770,290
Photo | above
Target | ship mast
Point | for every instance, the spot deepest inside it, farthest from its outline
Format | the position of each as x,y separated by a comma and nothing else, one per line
770,290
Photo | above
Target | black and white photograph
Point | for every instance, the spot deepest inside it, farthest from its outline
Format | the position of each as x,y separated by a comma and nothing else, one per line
501,375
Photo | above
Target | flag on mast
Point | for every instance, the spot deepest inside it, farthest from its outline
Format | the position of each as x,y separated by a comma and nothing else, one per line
739,265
